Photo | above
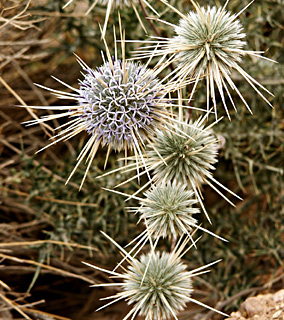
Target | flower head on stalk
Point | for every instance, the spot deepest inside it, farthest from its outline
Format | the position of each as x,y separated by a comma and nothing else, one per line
116,5
119,104
208,43
156,284
167,211
189,161
184,154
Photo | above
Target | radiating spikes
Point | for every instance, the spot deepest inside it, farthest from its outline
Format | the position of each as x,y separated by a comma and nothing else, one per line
101,269
143,240
110,303
250,80
201,202
174,9
123,194
66,4
91,155
118,246
225,188
82,155
237,15
193,59
65,84
57,91
206,306
211,233
139,19
91,7
150,256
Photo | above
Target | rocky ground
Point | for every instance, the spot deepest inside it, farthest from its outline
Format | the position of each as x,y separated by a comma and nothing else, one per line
262,307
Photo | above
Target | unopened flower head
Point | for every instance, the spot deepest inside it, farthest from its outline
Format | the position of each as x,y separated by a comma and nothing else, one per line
165,289
209,43
156,284
167,210
189,152
120,105
212,37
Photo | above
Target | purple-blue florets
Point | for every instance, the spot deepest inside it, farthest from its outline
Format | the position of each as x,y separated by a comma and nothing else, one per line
119,102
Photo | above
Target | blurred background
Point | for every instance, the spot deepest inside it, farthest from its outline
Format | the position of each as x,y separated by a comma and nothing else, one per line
47,228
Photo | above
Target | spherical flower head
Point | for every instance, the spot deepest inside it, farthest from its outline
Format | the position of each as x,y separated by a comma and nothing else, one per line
156,284
119,101
163,290
209,37
120,105
168,209
208,44
189,153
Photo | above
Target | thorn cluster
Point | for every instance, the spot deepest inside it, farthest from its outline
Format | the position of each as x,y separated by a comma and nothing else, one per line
189,153
208,43
167,210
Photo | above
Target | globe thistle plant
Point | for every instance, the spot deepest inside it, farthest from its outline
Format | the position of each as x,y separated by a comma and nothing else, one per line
120,105
156,284
208,43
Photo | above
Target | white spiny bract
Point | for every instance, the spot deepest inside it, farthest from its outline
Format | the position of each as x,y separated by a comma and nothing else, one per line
165,289
208,43
167,210
120,105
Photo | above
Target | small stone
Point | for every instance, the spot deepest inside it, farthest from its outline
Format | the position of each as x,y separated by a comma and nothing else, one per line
277,314
236,318
279,296
253,306
236,314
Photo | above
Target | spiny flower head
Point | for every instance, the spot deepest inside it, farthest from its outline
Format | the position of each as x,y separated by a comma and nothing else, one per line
186,154
189,156
212,36
209,43
119,103
156,284
168,209
165,289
